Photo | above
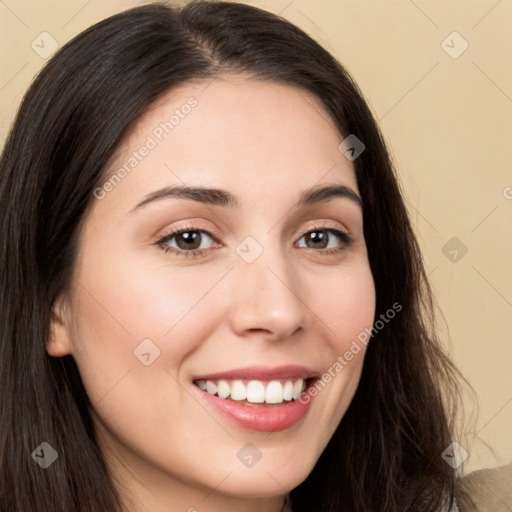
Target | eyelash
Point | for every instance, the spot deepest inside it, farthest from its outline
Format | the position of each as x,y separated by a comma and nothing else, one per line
345,238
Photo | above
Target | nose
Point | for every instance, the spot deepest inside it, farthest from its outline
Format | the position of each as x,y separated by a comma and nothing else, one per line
266,298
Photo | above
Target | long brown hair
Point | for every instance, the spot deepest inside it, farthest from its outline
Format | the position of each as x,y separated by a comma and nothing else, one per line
386,453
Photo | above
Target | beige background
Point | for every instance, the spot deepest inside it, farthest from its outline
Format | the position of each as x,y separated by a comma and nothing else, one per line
449,124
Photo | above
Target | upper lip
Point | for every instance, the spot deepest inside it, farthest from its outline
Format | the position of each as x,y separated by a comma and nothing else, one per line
262,373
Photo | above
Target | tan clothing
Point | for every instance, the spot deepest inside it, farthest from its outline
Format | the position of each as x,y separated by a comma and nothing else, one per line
491,489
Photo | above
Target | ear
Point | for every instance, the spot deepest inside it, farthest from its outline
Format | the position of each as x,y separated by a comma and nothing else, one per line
59,343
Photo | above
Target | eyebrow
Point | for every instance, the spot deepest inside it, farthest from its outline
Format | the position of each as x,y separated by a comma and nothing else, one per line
220,197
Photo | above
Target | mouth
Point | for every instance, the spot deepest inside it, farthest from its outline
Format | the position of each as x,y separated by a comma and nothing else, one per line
258,398
252,392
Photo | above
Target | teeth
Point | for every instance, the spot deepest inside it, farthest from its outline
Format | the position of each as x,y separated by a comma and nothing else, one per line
256,391
297,389
238,390
223,389
287,390
274,392
211,387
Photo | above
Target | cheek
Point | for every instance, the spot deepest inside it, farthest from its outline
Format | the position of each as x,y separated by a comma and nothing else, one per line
347,307
126,311
133,332
346,303
353,322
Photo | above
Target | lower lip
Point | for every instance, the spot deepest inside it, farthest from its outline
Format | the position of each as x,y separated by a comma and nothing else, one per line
261,418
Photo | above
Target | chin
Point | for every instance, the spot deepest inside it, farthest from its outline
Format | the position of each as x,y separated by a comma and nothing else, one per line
264,483
279,474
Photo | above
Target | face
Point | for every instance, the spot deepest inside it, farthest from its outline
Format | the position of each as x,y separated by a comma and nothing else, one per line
262,292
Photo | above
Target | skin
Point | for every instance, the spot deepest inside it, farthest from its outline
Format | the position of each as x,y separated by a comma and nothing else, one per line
265,143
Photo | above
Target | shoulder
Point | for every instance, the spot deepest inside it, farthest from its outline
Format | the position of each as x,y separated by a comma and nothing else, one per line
490,488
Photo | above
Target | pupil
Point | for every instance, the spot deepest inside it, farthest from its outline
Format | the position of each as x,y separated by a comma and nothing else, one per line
318,237
190,238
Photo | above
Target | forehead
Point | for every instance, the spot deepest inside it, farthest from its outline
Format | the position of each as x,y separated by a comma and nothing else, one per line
253,137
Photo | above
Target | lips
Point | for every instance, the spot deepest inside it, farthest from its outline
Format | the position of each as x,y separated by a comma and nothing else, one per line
262,373
258,398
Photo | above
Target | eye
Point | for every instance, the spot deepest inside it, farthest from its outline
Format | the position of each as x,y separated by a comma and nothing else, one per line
193,241
187,241
322,238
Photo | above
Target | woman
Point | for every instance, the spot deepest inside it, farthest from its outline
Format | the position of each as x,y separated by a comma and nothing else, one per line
212,295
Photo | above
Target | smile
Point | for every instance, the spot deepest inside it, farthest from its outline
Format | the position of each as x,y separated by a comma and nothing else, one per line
255,391
258,398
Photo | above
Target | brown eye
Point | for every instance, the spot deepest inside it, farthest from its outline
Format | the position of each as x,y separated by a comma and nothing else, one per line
323,238
318,239
186,242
